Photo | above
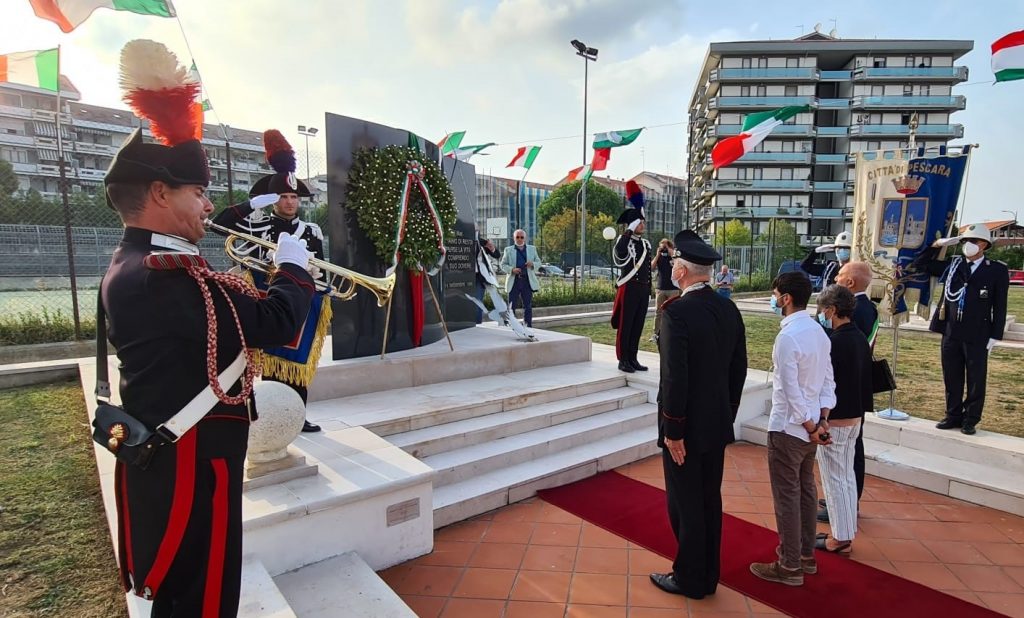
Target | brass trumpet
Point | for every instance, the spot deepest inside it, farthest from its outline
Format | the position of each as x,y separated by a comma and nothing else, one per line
338,282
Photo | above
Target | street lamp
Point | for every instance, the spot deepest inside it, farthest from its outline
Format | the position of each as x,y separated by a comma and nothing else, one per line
609,235
308,133
589,54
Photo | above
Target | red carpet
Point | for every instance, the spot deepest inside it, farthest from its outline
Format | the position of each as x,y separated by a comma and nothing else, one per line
843,588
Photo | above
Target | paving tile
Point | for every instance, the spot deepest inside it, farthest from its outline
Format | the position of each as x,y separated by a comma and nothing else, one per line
612,561
643,593
760,609
653,612
725,600
473,608
955,531
467,531
527,510
593,536
1003,554
956,552
881,565
498,556
1009,604
541,558
866,549
595,611
508,532
434,581
448,553
598,589
735,488
935,576
394,575
965,595
556,534
553,515
534,609
479,583
1013,529
542,586
905,550
908,511
887,529
644,562
1015,573
762,490
980,578
425,607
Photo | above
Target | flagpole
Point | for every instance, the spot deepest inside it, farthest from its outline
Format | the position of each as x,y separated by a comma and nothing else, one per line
963,193
520,211
67,211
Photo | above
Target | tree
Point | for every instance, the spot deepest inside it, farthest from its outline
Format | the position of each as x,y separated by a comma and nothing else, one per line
782,238
600,199
8,180
735,234
222,201
560,236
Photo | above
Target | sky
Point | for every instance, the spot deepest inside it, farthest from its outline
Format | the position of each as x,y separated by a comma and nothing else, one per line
504,71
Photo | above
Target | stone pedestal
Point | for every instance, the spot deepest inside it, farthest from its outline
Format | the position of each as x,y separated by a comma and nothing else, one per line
269,459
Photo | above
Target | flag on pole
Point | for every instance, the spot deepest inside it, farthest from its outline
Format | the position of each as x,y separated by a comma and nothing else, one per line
525,157
463,153
613,139
31,68
207,106
600,160
756,127
583,173
450,142
1008,57
70,14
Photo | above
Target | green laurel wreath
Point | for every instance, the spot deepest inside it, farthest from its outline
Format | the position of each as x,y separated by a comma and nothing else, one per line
374,191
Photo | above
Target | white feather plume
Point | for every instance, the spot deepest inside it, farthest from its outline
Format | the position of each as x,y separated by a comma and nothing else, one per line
149,65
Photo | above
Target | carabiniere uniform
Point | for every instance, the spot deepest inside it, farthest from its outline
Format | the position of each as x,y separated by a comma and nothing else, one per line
179,518
633,257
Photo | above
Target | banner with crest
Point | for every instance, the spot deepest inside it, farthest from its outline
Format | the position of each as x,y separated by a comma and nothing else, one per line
901,206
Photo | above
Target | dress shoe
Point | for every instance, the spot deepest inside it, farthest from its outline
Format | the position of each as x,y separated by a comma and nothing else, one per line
968,429
823,515
308,427
667,582
949,423
626,367
638,366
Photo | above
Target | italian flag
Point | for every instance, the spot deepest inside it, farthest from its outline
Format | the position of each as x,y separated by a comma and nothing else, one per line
69,14
600,159
450,143
31,68
612,139
463,153
525,157
1008,57
583,172
756,127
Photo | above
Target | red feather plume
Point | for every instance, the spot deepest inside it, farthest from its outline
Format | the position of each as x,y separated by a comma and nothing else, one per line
168,112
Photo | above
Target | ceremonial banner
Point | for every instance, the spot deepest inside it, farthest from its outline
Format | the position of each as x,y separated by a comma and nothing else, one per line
900,208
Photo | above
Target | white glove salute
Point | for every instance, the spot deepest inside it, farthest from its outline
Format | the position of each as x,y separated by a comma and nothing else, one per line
991,344
291,250
824,248
946,242
262,201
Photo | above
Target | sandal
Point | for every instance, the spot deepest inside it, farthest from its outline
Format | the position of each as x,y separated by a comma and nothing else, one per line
843,549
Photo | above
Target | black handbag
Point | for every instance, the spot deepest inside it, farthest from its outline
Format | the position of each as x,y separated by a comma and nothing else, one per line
125,436
882,380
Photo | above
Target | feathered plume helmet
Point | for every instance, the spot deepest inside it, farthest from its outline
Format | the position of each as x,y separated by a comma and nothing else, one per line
159,89
281,157
635,210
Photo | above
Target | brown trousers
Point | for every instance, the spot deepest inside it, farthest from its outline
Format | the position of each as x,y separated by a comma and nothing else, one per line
662,296
791,470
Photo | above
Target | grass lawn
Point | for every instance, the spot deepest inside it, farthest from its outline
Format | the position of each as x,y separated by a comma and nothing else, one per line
56,557
919,375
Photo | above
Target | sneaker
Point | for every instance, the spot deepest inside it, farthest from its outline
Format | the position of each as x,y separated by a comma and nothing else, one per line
775,572
808,565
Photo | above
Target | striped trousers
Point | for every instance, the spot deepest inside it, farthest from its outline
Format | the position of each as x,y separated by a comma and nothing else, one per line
835,462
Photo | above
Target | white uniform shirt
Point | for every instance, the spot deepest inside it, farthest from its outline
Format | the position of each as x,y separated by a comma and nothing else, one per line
802,382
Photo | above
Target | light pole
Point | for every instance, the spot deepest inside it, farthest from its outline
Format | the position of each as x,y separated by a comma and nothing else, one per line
589,54
609,235
308,133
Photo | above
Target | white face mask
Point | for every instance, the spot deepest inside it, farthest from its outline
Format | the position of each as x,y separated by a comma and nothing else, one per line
971,249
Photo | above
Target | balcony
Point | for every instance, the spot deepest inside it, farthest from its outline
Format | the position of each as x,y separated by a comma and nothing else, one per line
833,131
24,168
909,101
951,74
766,74
835,76
825,186
99,149
757,102
724,130
791,158
10,139
771,212
833,103
831,159
761,185
91,174
951,131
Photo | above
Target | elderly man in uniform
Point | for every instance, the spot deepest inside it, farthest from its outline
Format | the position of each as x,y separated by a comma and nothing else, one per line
632,254
295,363
180,516
971,317
703,367
830,268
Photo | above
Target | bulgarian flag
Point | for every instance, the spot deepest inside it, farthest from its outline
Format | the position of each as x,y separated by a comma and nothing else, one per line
612,139
450,143
525,157
583,173
756,127
31,68
1008,57
69,14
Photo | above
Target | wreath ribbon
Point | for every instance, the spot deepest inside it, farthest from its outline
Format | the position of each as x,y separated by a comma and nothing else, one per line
414,178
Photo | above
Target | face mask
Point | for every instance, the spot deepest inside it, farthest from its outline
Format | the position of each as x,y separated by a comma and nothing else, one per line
971,249
843,254
775,306
676,283
826,322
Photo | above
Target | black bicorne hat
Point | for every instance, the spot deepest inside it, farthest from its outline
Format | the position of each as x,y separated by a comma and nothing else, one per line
137,161
630,215
691,248
281,157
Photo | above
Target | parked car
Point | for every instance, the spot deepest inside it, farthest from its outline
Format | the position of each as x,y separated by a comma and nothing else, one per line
595,272
1017,277
550,270
794,266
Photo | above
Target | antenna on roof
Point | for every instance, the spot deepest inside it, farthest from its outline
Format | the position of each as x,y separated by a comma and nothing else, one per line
800,28
832,33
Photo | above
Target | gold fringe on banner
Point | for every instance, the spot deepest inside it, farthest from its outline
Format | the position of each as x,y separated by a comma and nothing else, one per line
298,373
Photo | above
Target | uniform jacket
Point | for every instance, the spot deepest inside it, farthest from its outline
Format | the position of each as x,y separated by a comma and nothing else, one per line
157,322
628,240
827,270
508,262
984,315
703,347
269,226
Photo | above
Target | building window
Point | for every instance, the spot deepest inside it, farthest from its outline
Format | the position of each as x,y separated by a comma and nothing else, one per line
909,62
924,90
762,63
924,62
762,90
745,63
744,91
791,91
878,63
877,91
908,90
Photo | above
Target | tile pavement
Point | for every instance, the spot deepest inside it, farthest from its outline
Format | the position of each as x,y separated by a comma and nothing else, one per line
534,560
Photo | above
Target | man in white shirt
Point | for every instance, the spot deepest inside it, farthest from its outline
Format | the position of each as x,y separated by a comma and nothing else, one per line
803,392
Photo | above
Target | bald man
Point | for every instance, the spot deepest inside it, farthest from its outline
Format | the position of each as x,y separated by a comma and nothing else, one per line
856,277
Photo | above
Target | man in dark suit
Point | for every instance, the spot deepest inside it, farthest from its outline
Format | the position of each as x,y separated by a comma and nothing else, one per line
703,367
971,316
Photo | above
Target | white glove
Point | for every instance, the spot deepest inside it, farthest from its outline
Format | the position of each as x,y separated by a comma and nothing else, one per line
262,201
291,250
824,248
946,242
991,344
635,224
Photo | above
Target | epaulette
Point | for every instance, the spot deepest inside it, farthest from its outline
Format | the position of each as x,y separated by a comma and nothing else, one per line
171,260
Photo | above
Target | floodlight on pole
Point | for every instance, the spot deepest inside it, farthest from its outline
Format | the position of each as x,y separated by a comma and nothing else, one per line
307,132
589,54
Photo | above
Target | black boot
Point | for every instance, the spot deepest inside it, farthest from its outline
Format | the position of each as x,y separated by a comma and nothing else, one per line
626,367
949,423
636,365
308,427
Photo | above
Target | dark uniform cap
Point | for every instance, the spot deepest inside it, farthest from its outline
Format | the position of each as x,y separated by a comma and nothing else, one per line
281,157
138,162
691,248
630,215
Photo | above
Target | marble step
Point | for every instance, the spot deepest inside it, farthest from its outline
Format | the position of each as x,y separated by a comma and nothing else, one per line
341,586
408,409
990,484
472,461
449,436
512,483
